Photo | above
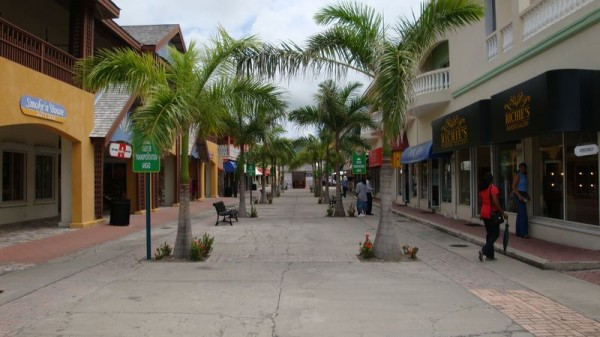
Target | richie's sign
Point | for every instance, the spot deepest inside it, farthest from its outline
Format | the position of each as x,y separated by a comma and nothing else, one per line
517,112
454,132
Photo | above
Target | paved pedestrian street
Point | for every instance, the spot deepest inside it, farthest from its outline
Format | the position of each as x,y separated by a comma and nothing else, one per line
294,272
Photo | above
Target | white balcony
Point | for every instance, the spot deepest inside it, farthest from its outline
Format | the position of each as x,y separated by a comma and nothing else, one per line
432,81
229,151
548,12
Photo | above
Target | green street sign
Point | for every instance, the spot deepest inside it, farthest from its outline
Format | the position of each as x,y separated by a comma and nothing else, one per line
250,170
146,158
359,163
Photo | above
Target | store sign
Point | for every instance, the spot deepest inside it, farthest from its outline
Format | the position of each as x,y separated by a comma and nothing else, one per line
359,163
454,132
120,150
517,112
250,170
586,150
40,108
376,157
396,155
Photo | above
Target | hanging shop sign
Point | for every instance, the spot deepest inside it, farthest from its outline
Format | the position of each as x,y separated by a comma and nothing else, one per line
40,108
120,150
586,150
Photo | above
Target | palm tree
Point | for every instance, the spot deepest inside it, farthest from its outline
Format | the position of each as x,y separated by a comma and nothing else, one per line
281,151
359,40
248,119
311,151
339,110
175,96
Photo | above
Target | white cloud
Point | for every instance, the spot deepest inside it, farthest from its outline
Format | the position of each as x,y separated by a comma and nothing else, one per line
273,21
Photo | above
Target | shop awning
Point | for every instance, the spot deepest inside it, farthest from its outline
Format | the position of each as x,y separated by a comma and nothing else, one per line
464,128
417,153
229,166
556,101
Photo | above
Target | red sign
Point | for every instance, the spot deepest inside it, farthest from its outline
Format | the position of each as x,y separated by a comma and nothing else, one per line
120,150
376,157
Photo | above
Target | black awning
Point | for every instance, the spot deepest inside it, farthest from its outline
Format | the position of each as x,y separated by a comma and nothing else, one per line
464,128
556,101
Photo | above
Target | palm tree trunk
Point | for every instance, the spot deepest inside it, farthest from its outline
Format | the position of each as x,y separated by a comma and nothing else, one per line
242,213
263,182
183,240
386,245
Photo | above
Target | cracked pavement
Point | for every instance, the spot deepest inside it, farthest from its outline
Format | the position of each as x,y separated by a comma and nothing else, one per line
294,272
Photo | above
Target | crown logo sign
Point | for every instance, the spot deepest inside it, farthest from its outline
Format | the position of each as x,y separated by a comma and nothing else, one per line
516,102
453,123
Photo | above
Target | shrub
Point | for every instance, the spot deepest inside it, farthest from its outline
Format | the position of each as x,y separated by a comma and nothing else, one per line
330,211
366,248
351,210
410,251
253,212
201,248
162,251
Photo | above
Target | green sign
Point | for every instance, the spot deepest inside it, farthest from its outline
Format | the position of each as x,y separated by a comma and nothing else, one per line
250,170
359,163
146,158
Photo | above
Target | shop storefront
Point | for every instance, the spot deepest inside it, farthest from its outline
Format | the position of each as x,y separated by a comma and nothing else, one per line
554,119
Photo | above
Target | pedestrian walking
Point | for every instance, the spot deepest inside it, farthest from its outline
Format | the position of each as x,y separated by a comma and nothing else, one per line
361,197
344,187
519,190
369,208
488,196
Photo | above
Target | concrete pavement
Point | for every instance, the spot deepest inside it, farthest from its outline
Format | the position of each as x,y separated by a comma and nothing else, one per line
290,272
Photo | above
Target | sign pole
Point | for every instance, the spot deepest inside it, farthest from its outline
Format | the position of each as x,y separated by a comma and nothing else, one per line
146,159
148,221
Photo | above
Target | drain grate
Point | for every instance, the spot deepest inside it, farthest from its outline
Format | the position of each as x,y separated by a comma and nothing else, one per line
472,224
459,245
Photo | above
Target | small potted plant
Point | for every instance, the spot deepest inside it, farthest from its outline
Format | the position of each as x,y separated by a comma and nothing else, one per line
351,210
410,251
330,211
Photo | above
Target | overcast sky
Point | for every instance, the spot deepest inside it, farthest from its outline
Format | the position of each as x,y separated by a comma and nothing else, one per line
271,20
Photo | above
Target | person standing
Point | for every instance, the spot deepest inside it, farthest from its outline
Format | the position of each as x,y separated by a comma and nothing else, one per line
361,197
344,186
488,196
519,189
369,207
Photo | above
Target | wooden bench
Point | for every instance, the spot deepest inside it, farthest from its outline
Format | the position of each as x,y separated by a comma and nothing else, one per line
226,213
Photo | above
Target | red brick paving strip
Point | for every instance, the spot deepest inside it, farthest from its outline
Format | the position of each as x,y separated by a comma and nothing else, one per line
538,314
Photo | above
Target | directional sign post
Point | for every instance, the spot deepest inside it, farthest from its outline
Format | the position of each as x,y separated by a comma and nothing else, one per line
250,172
359,163
146,159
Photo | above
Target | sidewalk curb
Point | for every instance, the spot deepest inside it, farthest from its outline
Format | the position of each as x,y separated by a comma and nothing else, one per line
511,252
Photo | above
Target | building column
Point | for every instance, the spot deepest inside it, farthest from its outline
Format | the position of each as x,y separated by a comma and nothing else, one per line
82,185
66,198
214,181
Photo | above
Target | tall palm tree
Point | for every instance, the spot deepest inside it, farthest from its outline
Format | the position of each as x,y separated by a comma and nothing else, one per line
248,119
311,151
281,151
338,110
176,96
357,39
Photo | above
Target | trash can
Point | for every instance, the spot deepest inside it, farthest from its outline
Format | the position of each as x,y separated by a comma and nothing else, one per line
228,191
254,186
119,212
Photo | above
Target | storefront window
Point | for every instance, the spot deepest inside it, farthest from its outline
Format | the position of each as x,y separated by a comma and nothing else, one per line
552,171
446,176
424,177
44,177
464,177
13,176
581,178
509,157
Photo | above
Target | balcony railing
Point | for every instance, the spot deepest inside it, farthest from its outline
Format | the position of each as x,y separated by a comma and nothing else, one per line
229,151
21,47
548,12
432,81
